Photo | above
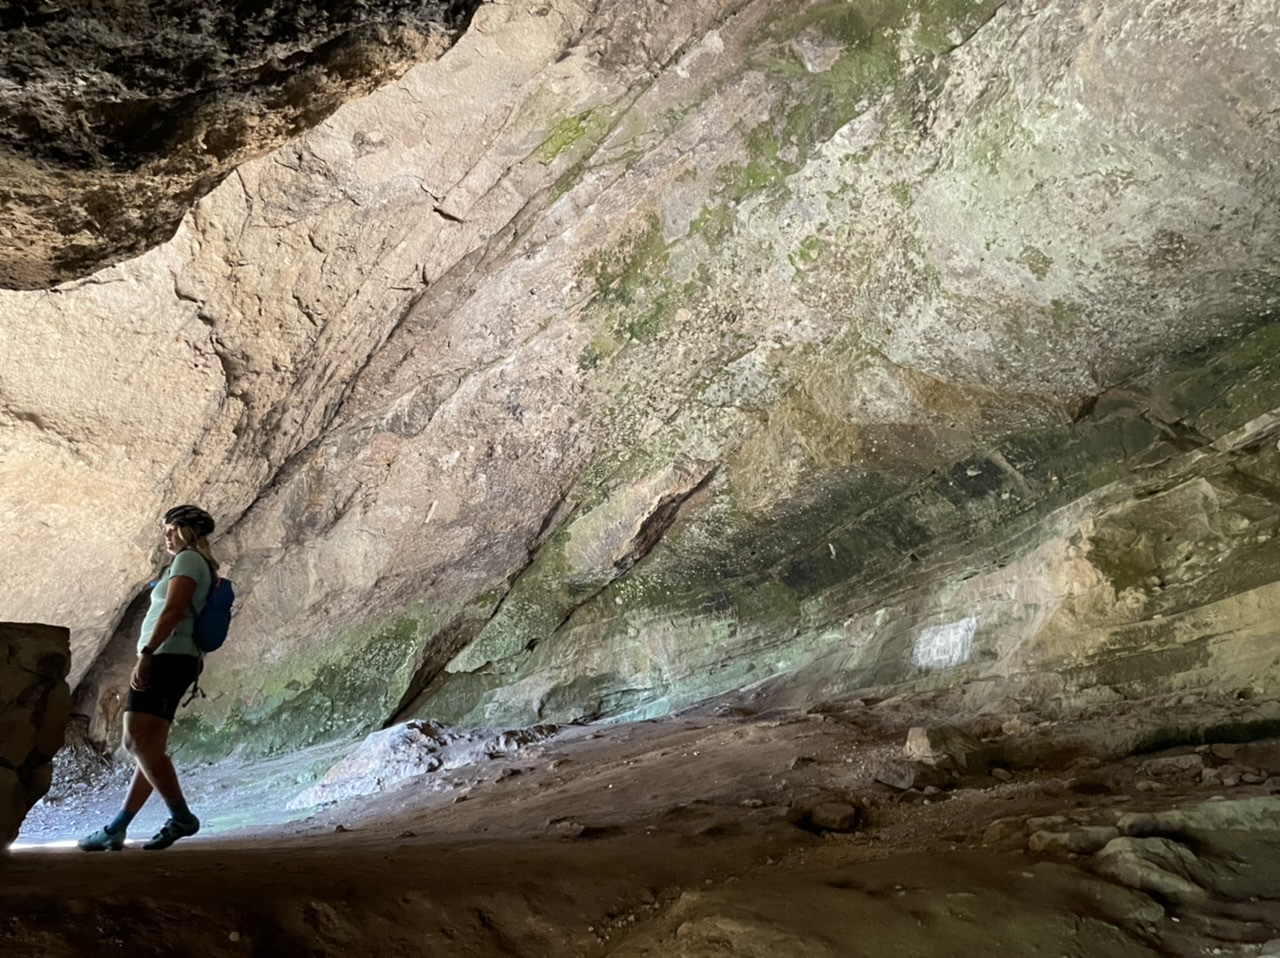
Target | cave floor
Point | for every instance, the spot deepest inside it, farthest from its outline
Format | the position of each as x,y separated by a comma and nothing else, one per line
688,836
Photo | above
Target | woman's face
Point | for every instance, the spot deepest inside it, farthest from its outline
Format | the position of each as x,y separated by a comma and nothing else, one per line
173,543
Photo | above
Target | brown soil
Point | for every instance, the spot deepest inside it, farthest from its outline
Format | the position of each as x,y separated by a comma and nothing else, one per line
687,836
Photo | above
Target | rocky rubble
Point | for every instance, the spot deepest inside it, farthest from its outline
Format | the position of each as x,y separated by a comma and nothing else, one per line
390,758
834,859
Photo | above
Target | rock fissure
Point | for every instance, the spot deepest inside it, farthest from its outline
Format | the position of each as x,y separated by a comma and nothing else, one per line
655,525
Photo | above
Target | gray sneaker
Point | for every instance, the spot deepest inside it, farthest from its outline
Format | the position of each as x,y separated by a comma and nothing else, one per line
171,832
103,841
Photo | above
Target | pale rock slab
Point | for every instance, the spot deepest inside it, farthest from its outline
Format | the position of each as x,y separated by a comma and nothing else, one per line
946,747
1157,865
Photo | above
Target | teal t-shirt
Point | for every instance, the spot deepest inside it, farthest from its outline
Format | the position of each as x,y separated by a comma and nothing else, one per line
182,642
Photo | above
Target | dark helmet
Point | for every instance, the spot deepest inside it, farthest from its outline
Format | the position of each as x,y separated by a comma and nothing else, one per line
193,517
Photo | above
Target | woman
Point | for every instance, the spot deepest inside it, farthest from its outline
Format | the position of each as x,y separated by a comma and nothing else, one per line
168,663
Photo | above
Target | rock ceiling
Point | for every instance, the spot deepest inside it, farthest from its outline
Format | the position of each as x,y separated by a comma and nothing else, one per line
116,115
565,360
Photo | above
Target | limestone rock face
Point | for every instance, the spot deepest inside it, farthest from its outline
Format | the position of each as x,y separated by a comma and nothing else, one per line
35,704
697,345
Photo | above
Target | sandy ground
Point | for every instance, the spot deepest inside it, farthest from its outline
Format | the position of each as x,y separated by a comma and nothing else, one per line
695,835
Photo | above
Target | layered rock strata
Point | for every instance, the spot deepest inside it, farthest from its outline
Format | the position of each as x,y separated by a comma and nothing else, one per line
699,344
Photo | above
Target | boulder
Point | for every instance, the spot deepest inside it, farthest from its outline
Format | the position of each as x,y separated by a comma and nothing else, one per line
1085,840
1260,755
1158,866
908,775
1257,814
35,703
827,815
946,747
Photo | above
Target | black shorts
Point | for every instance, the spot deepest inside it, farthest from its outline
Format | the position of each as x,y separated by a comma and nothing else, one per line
171,676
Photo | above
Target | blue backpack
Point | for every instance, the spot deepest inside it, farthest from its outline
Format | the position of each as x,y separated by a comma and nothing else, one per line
214,620
211,624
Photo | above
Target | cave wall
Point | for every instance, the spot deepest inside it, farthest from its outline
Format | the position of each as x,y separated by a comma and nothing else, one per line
701,343
1129,553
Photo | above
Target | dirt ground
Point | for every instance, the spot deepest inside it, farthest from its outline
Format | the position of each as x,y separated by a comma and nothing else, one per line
712,833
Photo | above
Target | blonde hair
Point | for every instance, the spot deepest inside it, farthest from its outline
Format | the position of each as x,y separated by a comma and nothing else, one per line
200,543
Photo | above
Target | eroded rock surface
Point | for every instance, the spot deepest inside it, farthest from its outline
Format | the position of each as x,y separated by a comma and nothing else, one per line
723,828
35,704
116,116
701,344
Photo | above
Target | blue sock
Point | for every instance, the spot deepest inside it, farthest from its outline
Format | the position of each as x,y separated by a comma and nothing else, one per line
120,823
179,811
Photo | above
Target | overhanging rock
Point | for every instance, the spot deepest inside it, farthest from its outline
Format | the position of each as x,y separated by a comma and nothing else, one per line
35,703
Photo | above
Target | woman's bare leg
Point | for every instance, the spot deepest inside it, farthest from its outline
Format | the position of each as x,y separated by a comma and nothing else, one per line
146,738
139,791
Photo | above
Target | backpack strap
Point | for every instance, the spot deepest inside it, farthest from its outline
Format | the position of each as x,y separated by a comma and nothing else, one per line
214,578
195,683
